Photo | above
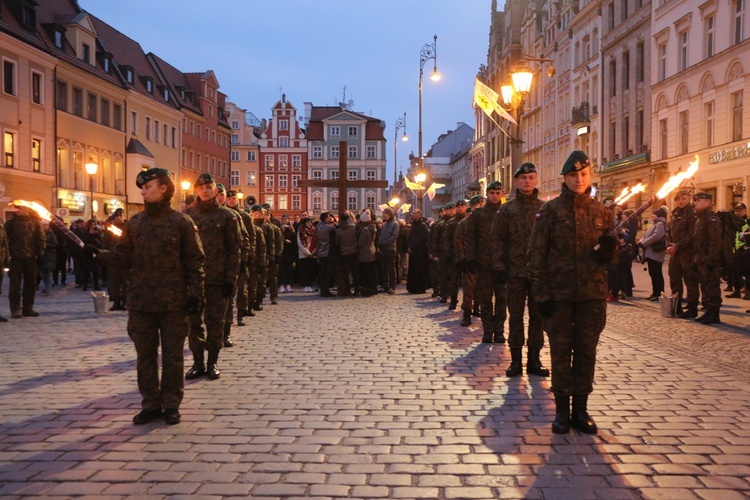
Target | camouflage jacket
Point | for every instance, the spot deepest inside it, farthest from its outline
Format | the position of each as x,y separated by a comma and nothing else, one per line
219,230
708,239
445,249
459,245
511,230
436,233
260,246
278,241
477,242
247,250
269,237
164,255
682,229
26,238
563,265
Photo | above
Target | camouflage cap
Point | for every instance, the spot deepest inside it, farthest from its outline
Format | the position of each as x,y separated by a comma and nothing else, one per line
525,168
575,162
495,185
204,178
461,202
266,206
475,199
220,188
702,196
152,173
231,193
739,206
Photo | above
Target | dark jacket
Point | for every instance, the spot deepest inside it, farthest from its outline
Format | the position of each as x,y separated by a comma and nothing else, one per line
388,236
219,231
418,240
446,241
48,261
366,242
682,229
708,239
346,237
479,227
25,237
511,230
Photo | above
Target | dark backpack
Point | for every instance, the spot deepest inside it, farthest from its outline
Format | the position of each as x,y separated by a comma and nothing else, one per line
731,224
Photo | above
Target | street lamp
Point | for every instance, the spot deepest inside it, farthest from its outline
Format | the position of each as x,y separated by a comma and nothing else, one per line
185,187
514,95
400,124
420,178
91,168
428,52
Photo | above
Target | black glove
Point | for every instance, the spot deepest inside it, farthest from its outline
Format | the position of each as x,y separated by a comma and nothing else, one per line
545,308
226,290
501,277
192,306
90,251
607,247
243,266
471,266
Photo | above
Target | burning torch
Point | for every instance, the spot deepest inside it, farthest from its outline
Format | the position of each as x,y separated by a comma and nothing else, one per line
46,215
669,186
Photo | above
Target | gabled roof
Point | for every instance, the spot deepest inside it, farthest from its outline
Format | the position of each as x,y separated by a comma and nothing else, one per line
177,82
321,114
136,147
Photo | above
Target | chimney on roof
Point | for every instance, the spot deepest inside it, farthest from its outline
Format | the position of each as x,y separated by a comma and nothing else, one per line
283,97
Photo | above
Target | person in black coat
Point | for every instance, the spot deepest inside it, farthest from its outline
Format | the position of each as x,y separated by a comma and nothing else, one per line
418,278
89,267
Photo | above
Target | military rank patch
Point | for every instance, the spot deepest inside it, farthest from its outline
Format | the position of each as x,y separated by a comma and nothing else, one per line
537,216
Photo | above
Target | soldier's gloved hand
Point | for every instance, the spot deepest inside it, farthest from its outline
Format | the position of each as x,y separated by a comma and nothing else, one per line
545,308
226,290
607,247
90,251
192,306
501,277
243,266
471,266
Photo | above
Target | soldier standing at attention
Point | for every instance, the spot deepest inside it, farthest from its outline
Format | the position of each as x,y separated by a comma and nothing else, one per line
161,249
26,243
436,233
219,232
248,256
680,249
257,267
452,268
469,280
116,278
223,197
444,252
479,261
511,230
259,219
278,248
708,252
569,283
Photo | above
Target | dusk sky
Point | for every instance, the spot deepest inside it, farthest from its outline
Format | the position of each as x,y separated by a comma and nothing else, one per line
311,50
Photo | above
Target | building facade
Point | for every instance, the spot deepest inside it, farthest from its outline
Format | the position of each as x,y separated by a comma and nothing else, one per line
245,153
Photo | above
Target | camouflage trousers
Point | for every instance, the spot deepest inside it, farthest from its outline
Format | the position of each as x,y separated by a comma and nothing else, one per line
469,301
147,330
229,313
213,311
710,286
445,266
573,331
454,282
273,281
253,279
681,269
435,276
519,293
493,314
260,289
242,280
116,282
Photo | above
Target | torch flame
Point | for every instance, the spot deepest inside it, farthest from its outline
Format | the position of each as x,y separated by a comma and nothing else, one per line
114,230
628,193
36,207
677,179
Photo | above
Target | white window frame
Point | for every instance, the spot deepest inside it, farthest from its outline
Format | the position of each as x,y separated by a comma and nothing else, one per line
352,152
334,151
710,118
370,174
296,202
269,161
353,131
283,141
235,155
40,90
234,178
352,175
371,152
334,200
317,152
251,178
352,200
296,161
283,161
317,201
335,131
283,124
317,174
269,181
283,181
251,156
295,180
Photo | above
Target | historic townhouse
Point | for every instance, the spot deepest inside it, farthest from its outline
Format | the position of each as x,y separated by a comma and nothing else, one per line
327,126
701,57
245,153
27,111
283,161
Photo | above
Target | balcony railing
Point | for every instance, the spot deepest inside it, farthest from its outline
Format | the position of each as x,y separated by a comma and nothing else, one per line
580,115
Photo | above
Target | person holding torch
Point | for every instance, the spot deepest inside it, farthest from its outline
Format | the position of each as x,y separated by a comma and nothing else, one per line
569,283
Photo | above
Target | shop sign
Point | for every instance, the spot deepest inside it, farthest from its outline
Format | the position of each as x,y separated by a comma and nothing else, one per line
729,154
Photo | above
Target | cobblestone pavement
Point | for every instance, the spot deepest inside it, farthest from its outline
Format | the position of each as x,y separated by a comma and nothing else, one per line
385,397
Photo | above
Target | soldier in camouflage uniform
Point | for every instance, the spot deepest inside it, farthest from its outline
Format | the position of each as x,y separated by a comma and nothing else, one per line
161,249
708,256
511,230
680,249
436,233
26,243
247,254
453,270
444,252
469,280
571,245
116,277
259,219
244,252
219,231
275,261
257,266
479,261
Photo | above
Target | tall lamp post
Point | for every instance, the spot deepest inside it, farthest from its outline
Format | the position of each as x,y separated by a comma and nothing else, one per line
400,124
420,178
91,168
428,52
514,95
185,188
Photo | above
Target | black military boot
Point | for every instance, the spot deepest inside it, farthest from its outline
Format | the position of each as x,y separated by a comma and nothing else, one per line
453,304
240,321
258,305
690,312
487,337
580,418
213,365
499,337
228,335
476,312
516,365
734,295
534,364
466,320
561,424
199,366
711,317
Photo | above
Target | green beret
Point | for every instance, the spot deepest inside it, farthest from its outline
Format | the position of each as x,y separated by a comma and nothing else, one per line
257,208
475,199
266,206
495,185
231,192
575,162
525,168
152,173
449,205
204,178
220,188
702,196
461,202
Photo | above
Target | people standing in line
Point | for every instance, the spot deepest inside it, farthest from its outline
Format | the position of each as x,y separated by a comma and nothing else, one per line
366,255
306,255
324,241
388,241
681,251
469,302
247,256
708,257
418,277
223,196
26,243
275,261
452,269
256,265
478,247
60,273
436,233
219,231
569,250
509,239
288,255
403,250
260,220
654,245
49,260
164,257
348,257
443,251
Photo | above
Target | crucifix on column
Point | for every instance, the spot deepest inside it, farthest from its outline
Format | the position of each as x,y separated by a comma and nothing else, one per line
343,183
